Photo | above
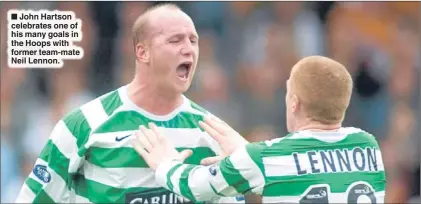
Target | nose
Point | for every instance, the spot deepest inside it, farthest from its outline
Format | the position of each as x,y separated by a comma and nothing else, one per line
187,49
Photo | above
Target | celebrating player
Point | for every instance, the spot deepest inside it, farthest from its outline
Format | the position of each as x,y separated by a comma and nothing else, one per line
89,156
318,162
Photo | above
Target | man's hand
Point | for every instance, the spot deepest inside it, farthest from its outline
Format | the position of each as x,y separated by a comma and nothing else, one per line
229,140
155,148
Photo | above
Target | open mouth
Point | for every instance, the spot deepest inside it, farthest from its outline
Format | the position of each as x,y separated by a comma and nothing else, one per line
183,70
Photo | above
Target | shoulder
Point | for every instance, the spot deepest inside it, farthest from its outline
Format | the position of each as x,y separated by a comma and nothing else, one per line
276,141
82,120
199,111
257,148
195,112
362,135
195,108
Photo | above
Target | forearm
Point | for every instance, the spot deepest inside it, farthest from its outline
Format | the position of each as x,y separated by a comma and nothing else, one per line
235,175
190,181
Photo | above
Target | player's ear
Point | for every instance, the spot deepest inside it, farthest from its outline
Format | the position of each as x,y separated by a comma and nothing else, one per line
295,103
142,52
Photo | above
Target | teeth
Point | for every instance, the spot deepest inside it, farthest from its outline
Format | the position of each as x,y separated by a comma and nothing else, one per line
182,72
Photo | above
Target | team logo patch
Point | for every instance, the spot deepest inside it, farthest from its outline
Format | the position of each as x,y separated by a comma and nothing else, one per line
239,198
41,172
213,170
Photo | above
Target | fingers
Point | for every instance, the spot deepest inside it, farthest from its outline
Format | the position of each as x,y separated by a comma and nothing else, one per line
157,132
212,132
210,160
185,154
148,157
150,135
216,124
137,145
143,141
225,125
139,149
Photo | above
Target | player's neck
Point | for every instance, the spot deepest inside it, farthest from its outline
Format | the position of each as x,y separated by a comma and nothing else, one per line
151,100
318,127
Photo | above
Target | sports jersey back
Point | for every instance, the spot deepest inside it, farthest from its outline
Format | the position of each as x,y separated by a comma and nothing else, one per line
343,166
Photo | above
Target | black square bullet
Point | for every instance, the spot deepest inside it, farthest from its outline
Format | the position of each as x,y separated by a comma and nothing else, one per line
14,16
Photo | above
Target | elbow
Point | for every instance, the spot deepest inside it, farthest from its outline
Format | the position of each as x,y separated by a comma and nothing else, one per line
203,192
203,197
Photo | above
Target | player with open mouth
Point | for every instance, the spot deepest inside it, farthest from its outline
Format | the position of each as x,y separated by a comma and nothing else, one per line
183,70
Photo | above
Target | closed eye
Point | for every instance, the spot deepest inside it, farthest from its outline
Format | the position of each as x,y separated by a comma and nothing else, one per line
174,40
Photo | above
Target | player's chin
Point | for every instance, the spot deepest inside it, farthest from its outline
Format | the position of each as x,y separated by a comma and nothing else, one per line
181,88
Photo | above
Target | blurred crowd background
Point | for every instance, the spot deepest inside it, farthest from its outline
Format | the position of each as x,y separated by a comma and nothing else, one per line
246,52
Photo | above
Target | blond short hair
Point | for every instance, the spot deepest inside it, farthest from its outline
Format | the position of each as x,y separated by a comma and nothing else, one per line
140,26
324,88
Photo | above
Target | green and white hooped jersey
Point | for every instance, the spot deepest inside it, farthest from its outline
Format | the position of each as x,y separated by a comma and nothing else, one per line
89,157
344,166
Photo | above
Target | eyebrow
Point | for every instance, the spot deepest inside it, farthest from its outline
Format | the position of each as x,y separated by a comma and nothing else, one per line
183,34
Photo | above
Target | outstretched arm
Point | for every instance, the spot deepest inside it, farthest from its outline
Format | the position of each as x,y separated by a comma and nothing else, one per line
236,174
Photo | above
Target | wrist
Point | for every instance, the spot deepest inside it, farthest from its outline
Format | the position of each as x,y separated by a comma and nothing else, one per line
162,170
